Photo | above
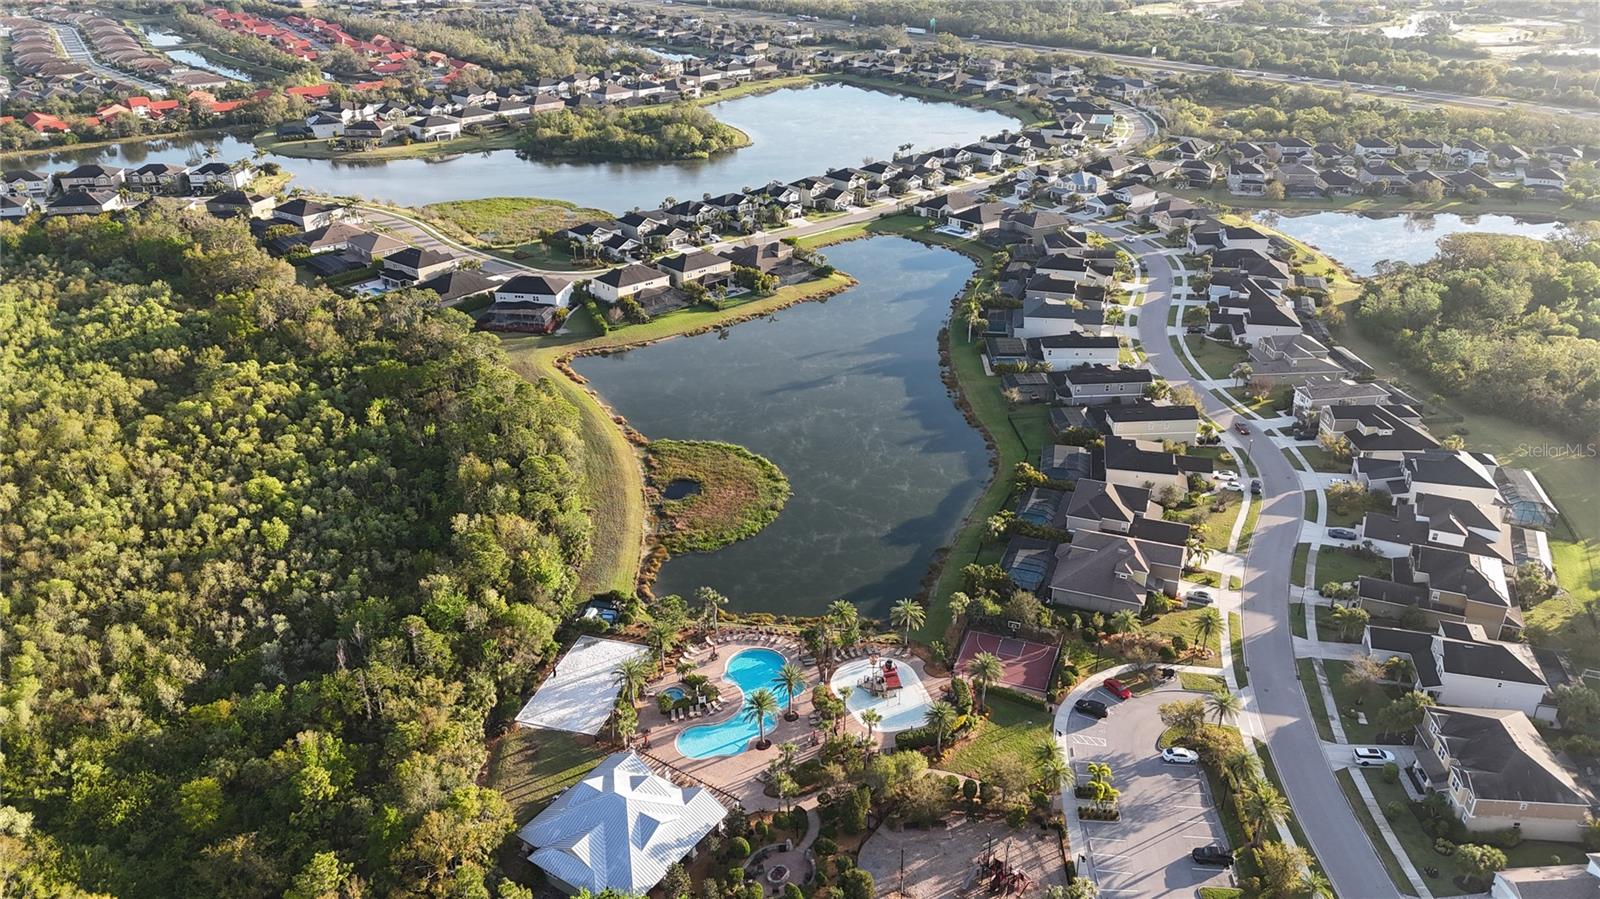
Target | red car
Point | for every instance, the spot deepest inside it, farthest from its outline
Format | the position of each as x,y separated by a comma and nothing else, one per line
1240,427
1117,688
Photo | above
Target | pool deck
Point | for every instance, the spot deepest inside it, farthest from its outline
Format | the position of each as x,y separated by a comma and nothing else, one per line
737,775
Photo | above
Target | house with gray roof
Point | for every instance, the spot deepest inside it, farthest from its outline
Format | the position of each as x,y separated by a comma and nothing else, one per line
1459,665
1095,505
1111,573
1499,773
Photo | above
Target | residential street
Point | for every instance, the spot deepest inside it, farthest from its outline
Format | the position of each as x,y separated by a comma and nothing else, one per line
1275,694
78,51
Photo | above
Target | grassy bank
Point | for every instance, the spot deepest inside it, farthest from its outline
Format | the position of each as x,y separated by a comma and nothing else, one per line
1397,874
737,493
504,139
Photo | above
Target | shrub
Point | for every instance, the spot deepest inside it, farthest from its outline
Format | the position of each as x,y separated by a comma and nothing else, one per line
1016,816
1394,810
857,884
1444,846
1509,838
823,846
986,793
1391,773
969,792
961,695
739,847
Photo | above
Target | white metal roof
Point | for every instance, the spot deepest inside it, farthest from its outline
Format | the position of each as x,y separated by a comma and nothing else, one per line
620,827
579,695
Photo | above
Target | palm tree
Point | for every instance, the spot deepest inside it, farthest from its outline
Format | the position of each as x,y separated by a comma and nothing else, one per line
663,636
711,603
941,716
757,707
1207,624
1241,767
871,719
631,674
684,668
793,680
1052,765
1263,807
1314,884
908,615
985,668
844,699
1223,705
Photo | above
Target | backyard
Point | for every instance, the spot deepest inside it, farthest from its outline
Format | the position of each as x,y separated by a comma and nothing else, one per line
512,226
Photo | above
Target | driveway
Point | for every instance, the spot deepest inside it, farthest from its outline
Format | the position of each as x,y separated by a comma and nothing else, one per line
1166,809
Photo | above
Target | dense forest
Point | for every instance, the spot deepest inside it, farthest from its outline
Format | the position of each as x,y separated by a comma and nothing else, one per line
1248,35
1224,107
678,131
1502,322
274,559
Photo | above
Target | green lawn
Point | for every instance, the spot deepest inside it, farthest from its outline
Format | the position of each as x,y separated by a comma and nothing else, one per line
1416,842
1236,648
1313,505
1009,737
1297,567
1216,359
1352,701
1297,619
1201,683
1336,564
1281,397
529,767
509,224
1182,622
1322,460
1216,513
1329,631
1319,709
1397,875
1248,531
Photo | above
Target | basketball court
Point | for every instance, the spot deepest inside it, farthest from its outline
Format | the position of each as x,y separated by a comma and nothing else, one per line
1028,665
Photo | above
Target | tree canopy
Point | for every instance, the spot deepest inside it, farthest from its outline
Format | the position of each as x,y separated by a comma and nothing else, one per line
276,559
1502,322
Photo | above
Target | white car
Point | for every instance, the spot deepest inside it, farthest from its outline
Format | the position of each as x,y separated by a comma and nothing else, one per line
1372,757
1177,755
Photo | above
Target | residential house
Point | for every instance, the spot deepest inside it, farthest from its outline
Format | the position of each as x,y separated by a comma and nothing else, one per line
1111,573
627,281
435,127
696,267
413,264
1317,392
85,202
24,182
306,214
547,290
1144,420
1389,430
1445,585
1292,359
1064,351
1139,463
1095,505
459,284
1458,665
215,177
92,176
1101,384
1500,774
157,177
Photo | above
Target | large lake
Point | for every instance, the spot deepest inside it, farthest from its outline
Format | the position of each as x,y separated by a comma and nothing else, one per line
845,397
1361,241
795,132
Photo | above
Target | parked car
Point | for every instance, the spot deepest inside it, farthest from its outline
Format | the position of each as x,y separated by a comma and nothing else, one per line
1255,487
1342,533
1199,598
1094,708
1241,429
1213,855
1372,757
1117,688
1177,755
1196,329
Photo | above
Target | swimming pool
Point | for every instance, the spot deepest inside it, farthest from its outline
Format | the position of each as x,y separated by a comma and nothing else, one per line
751,670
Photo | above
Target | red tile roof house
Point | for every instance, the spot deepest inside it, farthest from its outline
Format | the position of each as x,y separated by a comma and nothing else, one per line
43,123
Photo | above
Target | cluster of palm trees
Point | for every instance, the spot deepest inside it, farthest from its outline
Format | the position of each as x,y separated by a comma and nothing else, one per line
941,717
1101,793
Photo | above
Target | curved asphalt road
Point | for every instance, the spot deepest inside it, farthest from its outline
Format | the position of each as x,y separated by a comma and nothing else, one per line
1340,843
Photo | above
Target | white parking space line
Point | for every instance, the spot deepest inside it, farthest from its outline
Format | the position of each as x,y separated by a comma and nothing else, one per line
1087,740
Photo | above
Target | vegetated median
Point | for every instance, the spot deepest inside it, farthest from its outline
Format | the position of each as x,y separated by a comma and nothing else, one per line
710,494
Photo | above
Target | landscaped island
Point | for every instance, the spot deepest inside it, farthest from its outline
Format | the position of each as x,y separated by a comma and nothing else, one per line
712,494
679,131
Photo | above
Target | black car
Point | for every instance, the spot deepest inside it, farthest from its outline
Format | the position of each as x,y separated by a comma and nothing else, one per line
1094,708
1213,855
1342,534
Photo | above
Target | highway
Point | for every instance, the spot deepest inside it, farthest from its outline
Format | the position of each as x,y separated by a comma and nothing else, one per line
1408,97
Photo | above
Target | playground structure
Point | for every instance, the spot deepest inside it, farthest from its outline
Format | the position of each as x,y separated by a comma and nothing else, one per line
882,678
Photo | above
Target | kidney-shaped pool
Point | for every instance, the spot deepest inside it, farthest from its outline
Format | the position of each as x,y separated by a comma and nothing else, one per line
751,670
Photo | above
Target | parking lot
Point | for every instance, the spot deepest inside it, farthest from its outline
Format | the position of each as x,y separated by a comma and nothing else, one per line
1166,809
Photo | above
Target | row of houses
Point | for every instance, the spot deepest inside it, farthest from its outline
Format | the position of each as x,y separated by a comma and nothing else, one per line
1371,165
